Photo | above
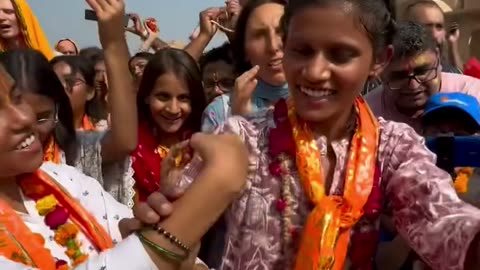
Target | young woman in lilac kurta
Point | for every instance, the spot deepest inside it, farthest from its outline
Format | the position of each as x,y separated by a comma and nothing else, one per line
427,212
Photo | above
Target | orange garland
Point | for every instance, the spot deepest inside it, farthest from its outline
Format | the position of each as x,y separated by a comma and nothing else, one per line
326,235
462,179
19,244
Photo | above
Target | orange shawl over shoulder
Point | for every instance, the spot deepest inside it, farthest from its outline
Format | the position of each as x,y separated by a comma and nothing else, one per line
19,244
31,31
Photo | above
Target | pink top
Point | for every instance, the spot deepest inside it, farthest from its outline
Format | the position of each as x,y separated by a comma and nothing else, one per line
382,104
426,209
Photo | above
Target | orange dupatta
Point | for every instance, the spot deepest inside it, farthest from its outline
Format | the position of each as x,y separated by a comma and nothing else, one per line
87,124
326,235
31,31
18,243
52,151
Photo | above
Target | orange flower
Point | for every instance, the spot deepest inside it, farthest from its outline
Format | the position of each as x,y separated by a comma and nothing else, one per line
63,267
462,179
80,259
71,252
70,229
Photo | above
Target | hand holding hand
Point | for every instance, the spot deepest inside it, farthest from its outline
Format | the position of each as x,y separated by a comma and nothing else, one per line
149,212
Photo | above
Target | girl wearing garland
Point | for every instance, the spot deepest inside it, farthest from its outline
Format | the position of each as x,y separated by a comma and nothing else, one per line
54,218
323,168
99,154
23,29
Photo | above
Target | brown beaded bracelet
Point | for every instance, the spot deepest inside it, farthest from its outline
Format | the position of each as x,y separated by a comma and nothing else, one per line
174,240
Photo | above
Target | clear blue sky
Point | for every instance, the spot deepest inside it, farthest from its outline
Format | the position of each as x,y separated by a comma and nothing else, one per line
65,18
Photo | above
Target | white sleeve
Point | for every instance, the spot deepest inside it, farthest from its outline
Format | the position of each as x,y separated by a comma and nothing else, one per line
128,254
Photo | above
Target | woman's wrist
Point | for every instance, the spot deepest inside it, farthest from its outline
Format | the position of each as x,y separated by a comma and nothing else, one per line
165,253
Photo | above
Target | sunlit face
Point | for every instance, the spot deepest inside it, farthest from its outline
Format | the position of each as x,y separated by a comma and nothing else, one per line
263,42
9,28
413,80
432,18
169,103
66,47
137,66
218,78
20,149
326,68
75,86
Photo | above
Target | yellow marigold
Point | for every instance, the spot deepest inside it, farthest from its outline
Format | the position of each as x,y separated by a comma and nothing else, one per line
46,204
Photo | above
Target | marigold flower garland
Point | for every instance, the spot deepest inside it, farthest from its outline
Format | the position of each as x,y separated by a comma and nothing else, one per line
56,218
462,179
282,151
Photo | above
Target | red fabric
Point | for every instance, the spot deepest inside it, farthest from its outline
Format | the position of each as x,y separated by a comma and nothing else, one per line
472,68
146,163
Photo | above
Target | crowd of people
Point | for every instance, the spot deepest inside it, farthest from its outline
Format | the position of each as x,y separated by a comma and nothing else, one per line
300,143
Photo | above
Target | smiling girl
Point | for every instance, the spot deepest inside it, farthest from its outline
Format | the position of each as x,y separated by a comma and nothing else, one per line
170,103
323,167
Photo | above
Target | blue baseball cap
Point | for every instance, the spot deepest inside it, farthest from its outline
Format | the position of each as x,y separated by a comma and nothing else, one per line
460,101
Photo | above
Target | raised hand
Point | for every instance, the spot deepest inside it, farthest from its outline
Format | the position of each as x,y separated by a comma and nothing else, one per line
110,14
206,17
242,94
137,28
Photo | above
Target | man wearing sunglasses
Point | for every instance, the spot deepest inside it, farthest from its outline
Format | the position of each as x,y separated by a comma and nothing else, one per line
415,74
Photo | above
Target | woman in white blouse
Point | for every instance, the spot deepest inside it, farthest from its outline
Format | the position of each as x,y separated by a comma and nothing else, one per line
54,218
21,154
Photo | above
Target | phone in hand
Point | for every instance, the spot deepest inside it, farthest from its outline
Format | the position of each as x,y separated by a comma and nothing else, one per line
90,15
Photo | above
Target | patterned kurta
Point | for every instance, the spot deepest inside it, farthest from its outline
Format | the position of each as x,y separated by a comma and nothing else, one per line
421,197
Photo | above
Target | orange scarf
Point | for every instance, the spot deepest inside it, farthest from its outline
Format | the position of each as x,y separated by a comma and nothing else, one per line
52,150
51,153
19,244
87,124
326,235
31,31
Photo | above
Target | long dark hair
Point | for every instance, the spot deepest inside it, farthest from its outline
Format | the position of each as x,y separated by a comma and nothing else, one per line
32,73
185,68
96,108
238,42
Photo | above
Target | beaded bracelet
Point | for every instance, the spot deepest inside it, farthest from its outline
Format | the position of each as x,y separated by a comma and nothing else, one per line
174,240
165,253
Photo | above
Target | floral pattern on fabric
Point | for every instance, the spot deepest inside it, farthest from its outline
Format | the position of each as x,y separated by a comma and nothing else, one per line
427,211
